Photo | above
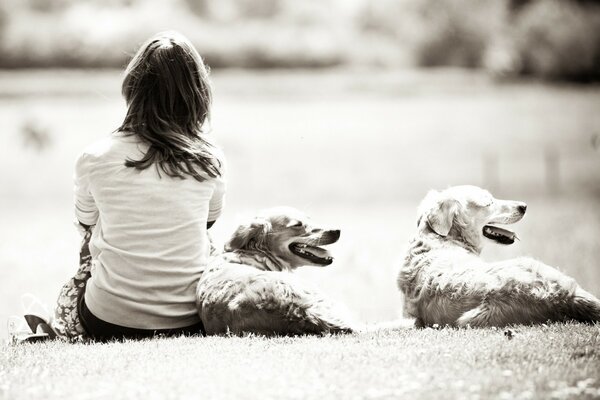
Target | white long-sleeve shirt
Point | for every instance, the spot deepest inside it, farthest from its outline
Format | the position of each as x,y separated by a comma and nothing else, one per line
150,244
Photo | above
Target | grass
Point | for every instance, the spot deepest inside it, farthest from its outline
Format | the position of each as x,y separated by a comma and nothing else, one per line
548,362
357,150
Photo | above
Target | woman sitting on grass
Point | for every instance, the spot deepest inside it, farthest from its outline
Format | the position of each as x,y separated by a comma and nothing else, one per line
145,197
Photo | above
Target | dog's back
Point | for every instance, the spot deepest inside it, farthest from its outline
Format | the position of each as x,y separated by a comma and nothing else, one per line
240,299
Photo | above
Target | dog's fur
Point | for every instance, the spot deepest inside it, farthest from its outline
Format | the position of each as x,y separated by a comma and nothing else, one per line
248,288
445,282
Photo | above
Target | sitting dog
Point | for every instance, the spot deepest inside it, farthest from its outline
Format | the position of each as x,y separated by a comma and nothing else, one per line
248,288
445,282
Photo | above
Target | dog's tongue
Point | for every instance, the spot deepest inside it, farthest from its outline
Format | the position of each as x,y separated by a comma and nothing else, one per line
500,235
317,251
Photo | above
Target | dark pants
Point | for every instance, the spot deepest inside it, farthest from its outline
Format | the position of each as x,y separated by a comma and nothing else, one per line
104,331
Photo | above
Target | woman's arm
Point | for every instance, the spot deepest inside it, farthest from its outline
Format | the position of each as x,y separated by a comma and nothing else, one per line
217,201
86,210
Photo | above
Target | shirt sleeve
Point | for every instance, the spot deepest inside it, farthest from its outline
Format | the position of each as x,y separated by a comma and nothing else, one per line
86,210
217,202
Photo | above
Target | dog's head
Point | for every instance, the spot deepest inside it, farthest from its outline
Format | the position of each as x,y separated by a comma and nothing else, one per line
287,235
469,214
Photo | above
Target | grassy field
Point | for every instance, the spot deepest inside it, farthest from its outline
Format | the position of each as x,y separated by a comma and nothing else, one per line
357,150
556,362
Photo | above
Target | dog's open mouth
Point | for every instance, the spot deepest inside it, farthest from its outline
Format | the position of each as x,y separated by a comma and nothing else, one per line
314,254
310,251
499,235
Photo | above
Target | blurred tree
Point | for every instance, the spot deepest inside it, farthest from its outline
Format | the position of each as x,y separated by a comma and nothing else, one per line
3,21
47,5
558,39
199,7
455,37
554,39
235,9
517,5
259,9
438,32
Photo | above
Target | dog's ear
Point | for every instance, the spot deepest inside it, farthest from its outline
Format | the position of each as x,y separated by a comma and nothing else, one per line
440,215
249,236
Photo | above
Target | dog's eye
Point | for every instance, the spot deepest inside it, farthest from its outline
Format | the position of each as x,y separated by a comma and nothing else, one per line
483,203
487,203
295,224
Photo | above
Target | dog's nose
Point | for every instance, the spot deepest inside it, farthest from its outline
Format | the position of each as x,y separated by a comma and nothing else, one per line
335,233
522,208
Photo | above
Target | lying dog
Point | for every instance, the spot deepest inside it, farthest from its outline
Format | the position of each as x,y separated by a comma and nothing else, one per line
445,282
248,288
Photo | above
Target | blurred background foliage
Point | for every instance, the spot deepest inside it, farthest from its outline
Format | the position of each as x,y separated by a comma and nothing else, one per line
550,39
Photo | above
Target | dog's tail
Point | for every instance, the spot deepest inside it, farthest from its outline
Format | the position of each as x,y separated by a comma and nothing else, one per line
585,307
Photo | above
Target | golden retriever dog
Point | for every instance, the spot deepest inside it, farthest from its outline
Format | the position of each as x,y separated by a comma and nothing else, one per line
249,288
445,282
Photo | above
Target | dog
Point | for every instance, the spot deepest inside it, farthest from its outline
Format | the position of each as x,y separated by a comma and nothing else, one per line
445,282
248,289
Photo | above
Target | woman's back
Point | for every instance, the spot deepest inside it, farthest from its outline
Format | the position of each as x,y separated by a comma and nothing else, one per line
150,243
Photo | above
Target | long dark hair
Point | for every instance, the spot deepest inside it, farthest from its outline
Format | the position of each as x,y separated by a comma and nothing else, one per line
168,95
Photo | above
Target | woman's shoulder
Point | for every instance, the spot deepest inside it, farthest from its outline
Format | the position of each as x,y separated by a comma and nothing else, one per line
107,144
